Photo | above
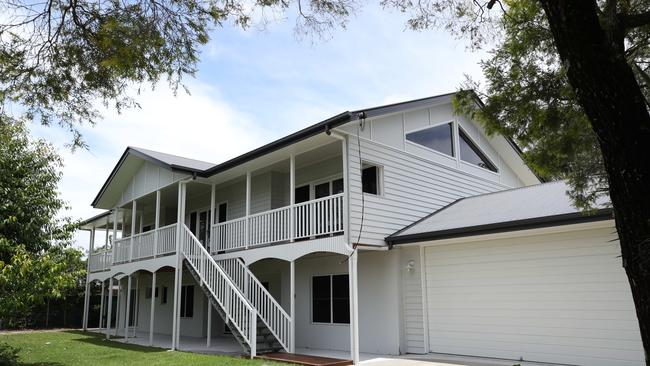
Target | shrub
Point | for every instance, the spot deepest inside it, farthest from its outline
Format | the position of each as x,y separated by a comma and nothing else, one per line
8,354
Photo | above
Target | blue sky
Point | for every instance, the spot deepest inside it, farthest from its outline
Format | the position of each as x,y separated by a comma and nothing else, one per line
258,85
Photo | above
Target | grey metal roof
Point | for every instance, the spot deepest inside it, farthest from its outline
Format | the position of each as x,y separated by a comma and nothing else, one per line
174,160
546,204
206,169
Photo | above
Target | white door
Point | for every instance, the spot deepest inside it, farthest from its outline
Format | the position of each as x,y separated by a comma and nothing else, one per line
560,298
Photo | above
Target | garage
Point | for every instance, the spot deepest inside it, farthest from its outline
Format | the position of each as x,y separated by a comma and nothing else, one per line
557,297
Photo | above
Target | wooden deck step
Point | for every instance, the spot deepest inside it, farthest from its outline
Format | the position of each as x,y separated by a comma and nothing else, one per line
307,360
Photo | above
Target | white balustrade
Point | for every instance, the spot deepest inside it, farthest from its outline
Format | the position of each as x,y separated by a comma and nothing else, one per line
145,246
101,260
121,250
269,226
166,240
323,216
229,235
319,217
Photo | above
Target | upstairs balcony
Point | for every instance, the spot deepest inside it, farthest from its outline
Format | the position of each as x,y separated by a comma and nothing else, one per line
292,199
315,218
148,245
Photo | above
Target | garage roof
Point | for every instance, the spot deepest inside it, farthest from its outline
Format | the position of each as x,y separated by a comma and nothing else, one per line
540,205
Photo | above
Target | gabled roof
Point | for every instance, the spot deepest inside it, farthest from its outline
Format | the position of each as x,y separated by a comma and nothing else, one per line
540,205
168,161
172,162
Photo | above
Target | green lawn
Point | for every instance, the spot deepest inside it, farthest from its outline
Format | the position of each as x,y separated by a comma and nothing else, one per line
83,348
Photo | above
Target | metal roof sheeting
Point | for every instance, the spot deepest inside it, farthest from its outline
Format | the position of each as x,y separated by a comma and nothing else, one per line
542,203
175,160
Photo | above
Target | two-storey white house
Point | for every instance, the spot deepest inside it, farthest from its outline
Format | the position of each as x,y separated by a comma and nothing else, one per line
390,230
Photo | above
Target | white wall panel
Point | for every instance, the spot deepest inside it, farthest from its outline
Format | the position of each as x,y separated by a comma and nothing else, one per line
413,188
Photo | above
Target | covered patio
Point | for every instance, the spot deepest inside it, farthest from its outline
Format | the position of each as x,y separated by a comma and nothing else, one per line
218,344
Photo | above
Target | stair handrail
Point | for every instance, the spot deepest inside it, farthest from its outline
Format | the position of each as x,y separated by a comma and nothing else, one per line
270,311
235,305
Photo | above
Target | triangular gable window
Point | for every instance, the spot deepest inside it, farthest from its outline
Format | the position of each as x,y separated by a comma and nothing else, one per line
438,138
470,153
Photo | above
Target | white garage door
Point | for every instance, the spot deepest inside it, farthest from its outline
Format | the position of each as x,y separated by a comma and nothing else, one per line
560,298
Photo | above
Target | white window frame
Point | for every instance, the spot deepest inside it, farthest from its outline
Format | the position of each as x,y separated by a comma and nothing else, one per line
454,139
311,299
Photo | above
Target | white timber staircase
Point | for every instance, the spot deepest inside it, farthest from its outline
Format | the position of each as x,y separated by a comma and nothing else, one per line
225,297
255,319
274,323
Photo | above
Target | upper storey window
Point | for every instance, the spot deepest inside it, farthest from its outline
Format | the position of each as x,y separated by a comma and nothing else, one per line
438,138
470,153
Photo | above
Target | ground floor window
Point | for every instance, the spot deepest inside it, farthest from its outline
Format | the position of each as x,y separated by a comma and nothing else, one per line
187,301
330,299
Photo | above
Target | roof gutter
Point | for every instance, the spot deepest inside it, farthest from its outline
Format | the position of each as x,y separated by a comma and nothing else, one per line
501,227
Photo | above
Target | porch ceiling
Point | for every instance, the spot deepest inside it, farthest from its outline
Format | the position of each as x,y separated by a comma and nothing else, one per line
305,151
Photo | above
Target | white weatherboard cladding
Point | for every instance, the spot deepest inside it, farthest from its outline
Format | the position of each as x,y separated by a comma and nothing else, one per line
560,298
279,189
235,195
413,187
149,178
261,193
412,314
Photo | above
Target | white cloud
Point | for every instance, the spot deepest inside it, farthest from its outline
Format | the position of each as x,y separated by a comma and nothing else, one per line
200,126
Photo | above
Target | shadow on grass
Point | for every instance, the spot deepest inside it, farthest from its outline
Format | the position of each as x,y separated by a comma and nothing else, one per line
100,340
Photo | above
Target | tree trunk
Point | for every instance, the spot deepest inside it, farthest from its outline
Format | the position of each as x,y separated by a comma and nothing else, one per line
592,52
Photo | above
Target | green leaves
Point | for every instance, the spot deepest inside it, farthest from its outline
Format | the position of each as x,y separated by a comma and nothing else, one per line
527,96
61,59
29,200
28,280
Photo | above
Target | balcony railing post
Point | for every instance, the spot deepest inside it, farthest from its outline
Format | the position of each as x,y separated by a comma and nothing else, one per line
157,225
253,334
292,197
113,246
312,219
133,214
248,209
212,217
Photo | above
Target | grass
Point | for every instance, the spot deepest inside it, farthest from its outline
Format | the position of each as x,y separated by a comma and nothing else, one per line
62,348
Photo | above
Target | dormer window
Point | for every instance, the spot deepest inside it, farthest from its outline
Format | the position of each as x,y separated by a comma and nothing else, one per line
438,138
470,153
